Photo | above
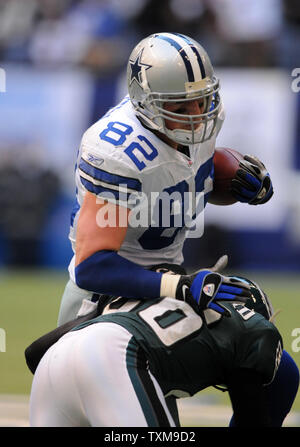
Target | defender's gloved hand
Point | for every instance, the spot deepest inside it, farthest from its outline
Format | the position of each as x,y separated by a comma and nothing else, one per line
206,288
252,183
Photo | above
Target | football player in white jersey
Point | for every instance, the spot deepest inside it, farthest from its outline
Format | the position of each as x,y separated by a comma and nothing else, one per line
144,173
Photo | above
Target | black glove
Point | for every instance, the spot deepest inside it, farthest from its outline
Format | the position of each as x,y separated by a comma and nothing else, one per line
252,183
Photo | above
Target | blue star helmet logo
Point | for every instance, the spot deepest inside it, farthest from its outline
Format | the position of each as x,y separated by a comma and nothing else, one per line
136,68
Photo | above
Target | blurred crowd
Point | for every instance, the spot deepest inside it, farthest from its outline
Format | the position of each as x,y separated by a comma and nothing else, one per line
99,34
28,191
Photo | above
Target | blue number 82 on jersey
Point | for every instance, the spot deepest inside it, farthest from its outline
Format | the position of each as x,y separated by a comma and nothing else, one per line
116,134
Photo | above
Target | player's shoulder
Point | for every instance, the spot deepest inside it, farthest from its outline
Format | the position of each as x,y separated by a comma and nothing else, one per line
120,137
114,131
103,143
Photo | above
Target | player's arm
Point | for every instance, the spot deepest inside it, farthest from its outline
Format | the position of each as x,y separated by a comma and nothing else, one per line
98,266
101,226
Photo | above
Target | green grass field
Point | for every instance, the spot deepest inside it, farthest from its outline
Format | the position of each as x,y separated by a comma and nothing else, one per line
29,307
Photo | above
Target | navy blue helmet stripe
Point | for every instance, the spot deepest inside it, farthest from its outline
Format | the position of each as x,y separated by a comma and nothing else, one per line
202,69
183,54
201,65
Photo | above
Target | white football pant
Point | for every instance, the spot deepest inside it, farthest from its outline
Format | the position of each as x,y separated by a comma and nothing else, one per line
97,376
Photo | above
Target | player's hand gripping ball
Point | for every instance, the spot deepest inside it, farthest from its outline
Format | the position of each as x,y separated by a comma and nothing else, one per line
239,178
252,183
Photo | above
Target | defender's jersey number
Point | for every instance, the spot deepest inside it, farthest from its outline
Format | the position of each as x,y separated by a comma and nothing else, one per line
171,320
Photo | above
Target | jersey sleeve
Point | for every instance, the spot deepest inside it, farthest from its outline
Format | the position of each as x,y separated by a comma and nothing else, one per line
107,175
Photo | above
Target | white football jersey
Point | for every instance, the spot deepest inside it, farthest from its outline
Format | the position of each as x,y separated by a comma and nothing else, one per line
123,162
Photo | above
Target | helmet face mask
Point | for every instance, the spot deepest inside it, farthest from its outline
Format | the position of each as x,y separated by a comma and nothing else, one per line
159,76
193,128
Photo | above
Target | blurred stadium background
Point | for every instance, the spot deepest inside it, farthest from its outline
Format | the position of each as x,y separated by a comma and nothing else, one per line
64,63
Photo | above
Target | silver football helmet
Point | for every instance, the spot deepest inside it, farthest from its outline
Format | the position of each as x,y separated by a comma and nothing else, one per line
173,68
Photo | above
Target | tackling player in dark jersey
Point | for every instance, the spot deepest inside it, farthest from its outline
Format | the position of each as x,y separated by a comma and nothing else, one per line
170,350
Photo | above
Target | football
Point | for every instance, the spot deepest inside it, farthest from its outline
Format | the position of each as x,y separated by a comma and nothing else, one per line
226,163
